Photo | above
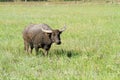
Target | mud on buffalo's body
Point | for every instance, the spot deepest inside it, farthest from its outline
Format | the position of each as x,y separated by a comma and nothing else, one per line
40,36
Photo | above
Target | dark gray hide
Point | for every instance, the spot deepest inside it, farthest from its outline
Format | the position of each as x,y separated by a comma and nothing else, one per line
40,36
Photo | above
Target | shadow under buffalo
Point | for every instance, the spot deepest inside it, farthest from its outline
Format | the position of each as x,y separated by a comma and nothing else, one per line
62,52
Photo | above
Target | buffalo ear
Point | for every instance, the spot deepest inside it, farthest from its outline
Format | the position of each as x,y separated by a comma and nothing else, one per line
61,32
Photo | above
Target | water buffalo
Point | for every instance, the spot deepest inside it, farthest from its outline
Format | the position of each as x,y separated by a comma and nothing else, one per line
40,36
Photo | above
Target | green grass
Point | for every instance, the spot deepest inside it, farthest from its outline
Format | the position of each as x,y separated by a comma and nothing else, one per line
92,37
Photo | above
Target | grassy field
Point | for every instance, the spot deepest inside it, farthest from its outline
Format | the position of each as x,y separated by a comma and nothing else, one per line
92,37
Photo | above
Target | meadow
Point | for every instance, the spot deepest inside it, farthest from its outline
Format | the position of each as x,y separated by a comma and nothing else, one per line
92,38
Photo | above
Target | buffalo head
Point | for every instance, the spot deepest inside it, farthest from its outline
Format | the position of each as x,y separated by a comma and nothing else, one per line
55,34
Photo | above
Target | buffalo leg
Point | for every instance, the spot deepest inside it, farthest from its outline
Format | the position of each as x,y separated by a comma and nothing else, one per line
26,46
46,49
31,47
36,49
46,53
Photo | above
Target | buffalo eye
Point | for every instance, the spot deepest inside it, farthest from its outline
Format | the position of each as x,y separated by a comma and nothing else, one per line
49,35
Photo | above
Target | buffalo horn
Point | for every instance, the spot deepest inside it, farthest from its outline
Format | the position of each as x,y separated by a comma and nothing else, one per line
47,31
63,29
